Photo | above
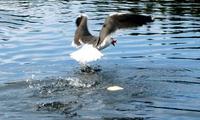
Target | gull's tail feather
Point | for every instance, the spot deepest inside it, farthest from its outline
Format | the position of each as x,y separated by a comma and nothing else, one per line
86,54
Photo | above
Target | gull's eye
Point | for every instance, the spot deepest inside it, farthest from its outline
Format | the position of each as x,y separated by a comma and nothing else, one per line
104,25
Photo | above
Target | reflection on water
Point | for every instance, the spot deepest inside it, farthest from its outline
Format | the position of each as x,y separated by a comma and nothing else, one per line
157,64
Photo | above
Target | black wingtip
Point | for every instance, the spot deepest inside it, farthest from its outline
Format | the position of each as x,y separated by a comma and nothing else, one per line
151,19
130,19
145,19
78,21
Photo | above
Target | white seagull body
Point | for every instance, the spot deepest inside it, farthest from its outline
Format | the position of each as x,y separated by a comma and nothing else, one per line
90,46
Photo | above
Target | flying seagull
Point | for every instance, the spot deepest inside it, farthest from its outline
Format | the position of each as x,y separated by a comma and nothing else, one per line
90,45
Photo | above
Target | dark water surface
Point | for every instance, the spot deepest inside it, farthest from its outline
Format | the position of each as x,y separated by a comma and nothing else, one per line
158,65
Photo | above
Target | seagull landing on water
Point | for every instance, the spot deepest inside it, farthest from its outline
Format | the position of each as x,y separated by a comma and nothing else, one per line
90,45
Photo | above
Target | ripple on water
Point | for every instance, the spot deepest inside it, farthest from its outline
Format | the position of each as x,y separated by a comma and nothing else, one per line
84,95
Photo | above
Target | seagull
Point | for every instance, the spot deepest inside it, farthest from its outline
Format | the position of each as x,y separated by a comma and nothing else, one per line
90,46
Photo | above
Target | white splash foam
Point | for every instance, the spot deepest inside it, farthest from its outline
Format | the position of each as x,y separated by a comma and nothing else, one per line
76,82
86,54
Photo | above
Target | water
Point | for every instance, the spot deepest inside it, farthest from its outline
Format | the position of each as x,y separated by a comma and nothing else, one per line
157,64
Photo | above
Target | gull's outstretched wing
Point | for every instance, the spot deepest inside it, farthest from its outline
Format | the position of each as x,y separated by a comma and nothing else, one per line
121,20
